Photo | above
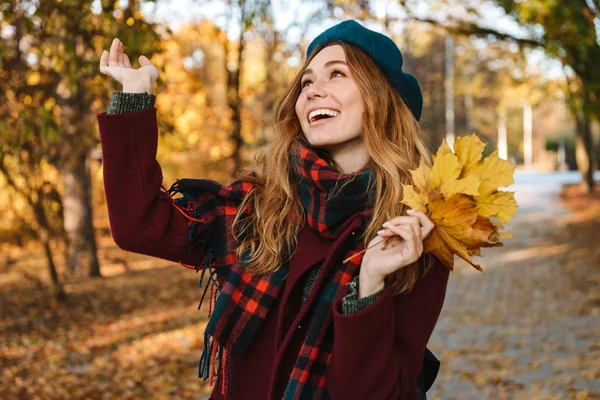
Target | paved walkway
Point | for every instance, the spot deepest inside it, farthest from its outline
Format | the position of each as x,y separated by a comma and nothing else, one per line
529,328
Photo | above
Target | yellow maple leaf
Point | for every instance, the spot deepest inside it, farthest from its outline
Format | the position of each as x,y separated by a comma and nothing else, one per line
506,235
421,176
482,230
501,205
455,215
446,168
442,150
469,150
475,252
422,182
483,235
502,234
414,198
467,185
459,193
494,173
453,219
435,245
443,245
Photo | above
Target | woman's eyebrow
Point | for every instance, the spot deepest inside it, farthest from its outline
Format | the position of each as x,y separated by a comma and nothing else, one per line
327,64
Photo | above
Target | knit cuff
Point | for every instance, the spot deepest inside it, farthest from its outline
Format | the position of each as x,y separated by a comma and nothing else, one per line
351,304
309,283
122,103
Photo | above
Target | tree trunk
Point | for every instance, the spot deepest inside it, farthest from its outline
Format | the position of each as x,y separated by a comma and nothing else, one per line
270,88
469,99
449,91
584,150
234,100
59,292
44,235
77,202
78,217
44,229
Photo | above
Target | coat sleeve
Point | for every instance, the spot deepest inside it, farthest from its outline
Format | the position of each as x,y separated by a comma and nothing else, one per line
378,352
142,216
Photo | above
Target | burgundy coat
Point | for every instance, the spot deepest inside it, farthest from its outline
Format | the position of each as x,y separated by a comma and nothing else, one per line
377,352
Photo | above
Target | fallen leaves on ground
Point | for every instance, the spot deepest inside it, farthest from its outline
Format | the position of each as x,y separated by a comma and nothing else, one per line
528,330
585,206
136,334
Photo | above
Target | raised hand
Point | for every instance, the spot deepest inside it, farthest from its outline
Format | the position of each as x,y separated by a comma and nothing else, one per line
116,64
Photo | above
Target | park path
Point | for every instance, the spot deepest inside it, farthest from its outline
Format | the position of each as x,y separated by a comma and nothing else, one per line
529,328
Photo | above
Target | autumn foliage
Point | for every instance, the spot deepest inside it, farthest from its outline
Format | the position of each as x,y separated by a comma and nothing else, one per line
460,193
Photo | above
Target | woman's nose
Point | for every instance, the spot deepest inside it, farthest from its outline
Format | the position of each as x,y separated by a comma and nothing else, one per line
316,89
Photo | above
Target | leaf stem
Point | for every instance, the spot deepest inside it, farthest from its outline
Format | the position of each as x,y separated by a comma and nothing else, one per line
370,247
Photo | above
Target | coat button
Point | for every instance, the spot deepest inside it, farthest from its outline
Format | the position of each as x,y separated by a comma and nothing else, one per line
299,326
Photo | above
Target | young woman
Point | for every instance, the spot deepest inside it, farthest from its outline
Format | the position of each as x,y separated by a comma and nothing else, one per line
301,312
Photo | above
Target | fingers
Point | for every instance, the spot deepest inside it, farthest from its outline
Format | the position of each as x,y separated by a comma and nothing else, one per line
426,224
103,61
143,60
126,61
414,246
116,57
114,53
413,222
413,229
120,58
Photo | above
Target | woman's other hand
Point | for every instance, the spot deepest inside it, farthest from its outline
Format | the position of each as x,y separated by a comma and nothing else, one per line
115,63
404,248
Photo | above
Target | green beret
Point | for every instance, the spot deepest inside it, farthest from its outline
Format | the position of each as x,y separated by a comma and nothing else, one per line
383,51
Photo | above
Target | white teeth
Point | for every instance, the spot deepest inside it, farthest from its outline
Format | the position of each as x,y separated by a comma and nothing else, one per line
321,111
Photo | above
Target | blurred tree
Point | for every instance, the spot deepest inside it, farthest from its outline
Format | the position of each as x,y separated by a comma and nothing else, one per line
485,74
488,76
491,74
570,34
29,134
281,53
195,131
567,31
60,43
248,15
73,36
254,57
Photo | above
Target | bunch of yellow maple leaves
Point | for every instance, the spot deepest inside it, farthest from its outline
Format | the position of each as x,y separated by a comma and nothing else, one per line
460,194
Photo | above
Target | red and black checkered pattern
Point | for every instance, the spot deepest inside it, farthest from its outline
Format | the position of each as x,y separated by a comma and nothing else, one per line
245,300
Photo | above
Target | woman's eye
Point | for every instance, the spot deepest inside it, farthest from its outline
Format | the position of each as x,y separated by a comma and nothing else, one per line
334,73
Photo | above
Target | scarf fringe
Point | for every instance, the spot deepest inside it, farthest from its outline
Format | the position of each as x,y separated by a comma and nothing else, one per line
214,362
215,365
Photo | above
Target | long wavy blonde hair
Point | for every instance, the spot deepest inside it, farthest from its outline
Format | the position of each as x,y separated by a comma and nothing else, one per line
393,139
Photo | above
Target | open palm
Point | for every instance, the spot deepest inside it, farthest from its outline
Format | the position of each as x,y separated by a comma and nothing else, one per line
115,63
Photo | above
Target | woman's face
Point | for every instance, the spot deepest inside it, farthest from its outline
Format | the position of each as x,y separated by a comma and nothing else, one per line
330,106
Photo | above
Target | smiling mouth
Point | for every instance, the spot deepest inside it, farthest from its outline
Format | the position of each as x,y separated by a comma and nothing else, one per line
321,116
321,121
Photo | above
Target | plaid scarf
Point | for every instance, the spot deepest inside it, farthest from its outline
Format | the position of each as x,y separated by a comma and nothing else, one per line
243,301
